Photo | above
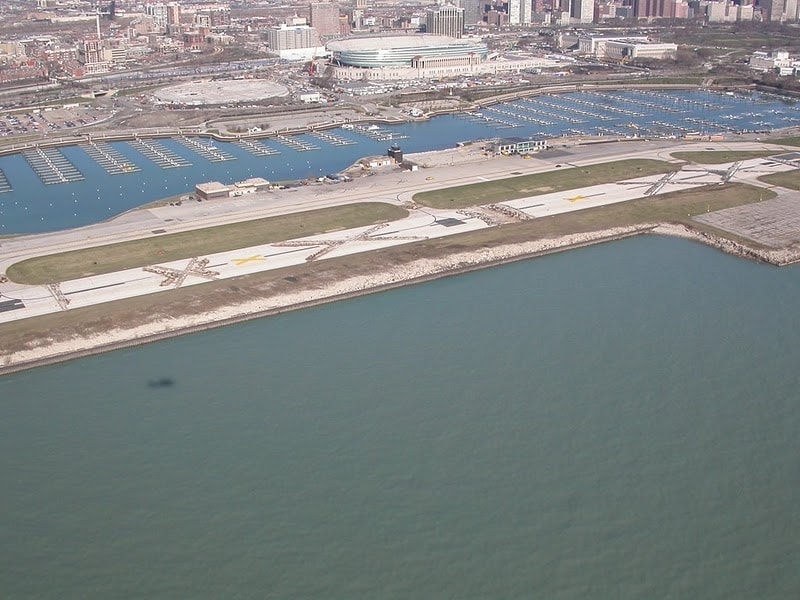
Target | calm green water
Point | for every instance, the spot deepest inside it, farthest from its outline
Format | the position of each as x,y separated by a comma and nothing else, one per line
614,422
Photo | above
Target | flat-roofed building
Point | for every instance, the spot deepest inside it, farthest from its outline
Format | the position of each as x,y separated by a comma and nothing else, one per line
211,190
295,42
518,145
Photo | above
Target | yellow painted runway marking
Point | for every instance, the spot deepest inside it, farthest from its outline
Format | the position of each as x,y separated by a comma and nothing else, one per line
577,198
250,259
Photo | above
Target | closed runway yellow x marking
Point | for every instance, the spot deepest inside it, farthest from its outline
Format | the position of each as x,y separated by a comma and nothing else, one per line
250,259
577,198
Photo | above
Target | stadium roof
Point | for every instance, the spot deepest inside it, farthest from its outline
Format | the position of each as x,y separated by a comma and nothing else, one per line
385,42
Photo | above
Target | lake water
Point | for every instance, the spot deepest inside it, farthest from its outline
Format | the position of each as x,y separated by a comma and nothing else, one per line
612,422
28,205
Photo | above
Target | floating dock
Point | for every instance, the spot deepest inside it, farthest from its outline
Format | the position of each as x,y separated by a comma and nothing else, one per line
159,154
296,144
332,138
205,149
256,148
376,133
51,166
109,158
4,185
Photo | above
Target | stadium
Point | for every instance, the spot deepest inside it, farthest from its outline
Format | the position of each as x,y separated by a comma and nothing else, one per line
414,57
401,51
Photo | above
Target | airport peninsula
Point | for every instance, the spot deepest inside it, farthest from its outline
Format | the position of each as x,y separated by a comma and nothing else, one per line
460,210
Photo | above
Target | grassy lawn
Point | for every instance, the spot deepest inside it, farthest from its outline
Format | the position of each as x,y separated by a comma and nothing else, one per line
541,183
718,157
674,207
164,248
787,179
787,141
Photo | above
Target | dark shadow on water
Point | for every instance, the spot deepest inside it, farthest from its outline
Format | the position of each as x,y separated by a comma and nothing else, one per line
161,382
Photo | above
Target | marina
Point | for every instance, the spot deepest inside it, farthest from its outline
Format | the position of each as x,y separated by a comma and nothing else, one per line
206,149
51,166
155,151
109,158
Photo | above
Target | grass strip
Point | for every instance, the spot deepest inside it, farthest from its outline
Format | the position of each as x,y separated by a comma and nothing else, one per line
174,246
787,141
718,157
787,179
524,186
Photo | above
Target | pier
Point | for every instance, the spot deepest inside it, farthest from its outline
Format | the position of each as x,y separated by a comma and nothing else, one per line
376,133
490,120
205,149
159,154
51,166
332,138
5,186
297,144
110,159
256,148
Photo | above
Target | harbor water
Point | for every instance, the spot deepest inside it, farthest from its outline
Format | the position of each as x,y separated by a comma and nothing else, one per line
612,422
60,188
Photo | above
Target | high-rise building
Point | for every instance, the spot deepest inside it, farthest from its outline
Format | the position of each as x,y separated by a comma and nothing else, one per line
473,10
445,20
582,11
90,54
780,10
643,9
292,37
173,17
324,17
158,12
519,12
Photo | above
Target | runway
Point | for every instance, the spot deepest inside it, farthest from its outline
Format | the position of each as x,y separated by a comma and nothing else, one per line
19,302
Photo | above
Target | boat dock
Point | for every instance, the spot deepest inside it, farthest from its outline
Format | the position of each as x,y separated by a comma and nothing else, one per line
376,133
519,117
109,158
491,120
256,148
546,111
159,154
332,138
51,166
5,186
297,144
205,149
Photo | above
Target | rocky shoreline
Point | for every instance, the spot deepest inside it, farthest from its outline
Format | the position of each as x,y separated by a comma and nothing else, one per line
418,271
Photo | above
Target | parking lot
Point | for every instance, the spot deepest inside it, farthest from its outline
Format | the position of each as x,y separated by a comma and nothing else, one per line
47,120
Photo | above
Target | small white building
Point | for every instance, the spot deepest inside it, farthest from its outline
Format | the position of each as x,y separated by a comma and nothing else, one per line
769,61
249,186
312,98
